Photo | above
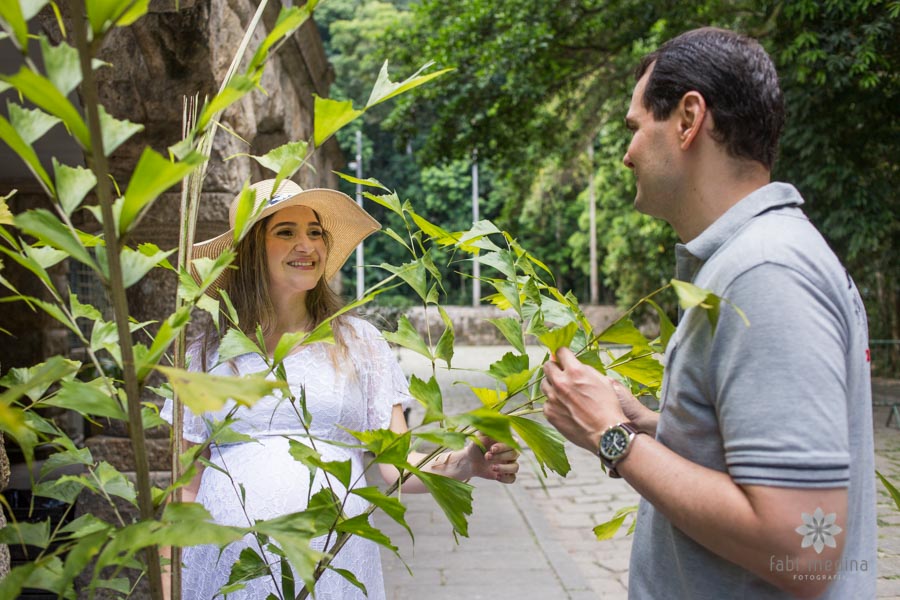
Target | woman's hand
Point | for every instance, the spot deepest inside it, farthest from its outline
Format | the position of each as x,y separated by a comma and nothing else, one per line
499,462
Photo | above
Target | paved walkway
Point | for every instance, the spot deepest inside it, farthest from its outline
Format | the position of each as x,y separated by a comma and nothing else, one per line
534,540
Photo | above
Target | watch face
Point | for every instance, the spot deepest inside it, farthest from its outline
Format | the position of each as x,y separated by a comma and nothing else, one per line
613,443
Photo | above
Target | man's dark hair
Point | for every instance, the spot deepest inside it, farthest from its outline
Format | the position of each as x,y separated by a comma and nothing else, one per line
734,75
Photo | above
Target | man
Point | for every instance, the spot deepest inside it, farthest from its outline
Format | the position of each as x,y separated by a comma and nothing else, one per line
757,474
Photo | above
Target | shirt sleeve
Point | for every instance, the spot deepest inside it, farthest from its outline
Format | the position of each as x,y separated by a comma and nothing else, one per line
383,381
780,383
194,427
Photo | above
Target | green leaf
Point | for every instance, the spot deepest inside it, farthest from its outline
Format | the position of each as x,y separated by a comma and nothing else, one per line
238,87
166,335
389,447
152,176
342,470
454,497
24,150
390,506
490,398
892,490
135,264
34,381
510,364
413,273
30,123
62,64
72,185
11,585
71,455
493,424
65,489
349,576
408,337
371,182
288,21
46,227
29,534
429,395
454,440
444,348
246,211
285,159
384,88
286,343
359,525
438,234
104,14
236,343
44,94
330,116
87,400
15,23
559,338
512,331
548,445
208,270
86,524
623,331
247,567
639,366
202,392
666,328
115,483
116,131
390,201
606,531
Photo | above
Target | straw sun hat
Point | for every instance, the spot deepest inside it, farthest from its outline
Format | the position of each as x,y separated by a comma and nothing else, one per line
344,220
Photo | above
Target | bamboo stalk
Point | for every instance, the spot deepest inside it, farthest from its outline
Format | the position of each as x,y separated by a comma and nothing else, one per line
116,290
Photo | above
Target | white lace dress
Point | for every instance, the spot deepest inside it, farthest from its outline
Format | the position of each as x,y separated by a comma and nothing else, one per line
275,483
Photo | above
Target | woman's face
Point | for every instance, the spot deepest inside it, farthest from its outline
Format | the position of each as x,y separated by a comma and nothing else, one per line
295,253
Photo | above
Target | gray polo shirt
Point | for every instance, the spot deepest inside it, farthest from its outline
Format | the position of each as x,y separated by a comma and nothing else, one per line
784,402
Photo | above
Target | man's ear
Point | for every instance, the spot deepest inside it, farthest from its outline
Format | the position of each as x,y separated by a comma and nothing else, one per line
692,114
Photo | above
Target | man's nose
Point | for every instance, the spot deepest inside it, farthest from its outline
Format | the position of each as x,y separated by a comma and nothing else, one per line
627,161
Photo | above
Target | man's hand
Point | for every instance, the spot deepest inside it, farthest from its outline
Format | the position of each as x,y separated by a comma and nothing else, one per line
581,403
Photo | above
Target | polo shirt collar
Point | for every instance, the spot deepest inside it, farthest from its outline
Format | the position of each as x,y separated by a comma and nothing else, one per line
690,256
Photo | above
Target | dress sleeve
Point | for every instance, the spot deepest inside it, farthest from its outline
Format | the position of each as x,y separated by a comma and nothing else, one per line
194,427
383,380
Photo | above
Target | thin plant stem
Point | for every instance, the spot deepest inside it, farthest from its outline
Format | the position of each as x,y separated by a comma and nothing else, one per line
116,289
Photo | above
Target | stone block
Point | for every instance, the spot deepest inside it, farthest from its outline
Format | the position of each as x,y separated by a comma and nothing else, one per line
117,452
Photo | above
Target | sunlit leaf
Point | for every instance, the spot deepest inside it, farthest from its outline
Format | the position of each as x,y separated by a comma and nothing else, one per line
72,185
30,123
390,201
391,506
606,531
444,348
389,447
407,336
359,525
493,424
34,381
62,64
559,338
285,159
87,399
238,87
115,483
330,116
454,497
104,14
152,176
290,18
640,366
24,150
342,470
384,88
116,131
44,94
236,343
202,392
666,328
371,182
15,23
429,395
512,331
546,443
623,332
413,273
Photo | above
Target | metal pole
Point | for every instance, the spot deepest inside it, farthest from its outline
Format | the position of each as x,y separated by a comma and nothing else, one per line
592,199
360,260
476,266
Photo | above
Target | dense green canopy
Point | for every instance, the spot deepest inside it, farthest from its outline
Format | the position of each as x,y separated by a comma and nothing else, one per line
537,82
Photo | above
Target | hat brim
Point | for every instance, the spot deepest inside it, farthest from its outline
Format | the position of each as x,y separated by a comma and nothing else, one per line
346,223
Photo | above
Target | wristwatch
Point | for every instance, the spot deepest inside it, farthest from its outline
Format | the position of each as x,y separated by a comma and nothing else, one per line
614,446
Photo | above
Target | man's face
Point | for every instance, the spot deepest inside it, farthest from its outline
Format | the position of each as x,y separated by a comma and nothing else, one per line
653,156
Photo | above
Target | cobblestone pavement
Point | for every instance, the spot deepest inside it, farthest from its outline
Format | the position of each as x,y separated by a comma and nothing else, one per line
535,539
